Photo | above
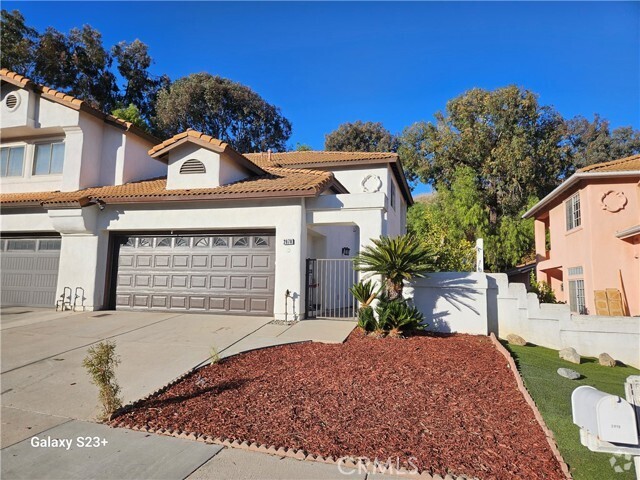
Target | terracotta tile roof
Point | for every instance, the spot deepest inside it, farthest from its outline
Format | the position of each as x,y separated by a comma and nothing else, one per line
324,159
627,164
278,182
206,141
72,102
284,159
217,145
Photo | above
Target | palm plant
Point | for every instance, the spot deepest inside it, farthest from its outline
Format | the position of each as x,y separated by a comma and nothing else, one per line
365,293
395,259
397,317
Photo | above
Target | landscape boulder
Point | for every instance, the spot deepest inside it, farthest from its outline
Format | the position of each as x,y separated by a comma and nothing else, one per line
570,355
514,339
606,360
568,373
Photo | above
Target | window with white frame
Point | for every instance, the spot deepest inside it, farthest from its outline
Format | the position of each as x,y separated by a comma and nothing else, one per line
48,158
576,296
12,161
572,207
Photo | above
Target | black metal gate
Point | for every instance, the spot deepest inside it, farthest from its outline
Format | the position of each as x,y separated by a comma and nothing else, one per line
327,288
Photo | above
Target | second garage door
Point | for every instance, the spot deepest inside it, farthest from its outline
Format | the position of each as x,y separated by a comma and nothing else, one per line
205,273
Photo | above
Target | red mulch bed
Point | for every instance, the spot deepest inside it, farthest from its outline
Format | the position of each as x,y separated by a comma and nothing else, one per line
450,402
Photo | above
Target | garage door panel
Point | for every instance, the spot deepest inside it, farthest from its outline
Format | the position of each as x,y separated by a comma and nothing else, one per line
219,261
29,274
200,261
198,281
160,281
162,261
200,273
143,260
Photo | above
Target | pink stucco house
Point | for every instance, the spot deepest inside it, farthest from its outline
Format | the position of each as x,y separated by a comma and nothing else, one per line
587,234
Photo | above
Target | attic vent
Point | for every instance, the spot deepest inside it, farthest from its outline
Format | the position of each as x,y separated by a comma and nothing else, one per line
11,101
192,166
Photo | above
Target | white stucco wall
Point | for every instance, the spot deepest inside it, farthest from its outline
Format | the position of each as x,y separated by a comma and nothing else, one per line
482,303
96,153
219,169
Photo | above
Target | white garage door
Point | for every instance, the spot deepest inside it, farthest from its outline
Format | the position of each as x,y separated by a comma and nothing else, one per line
29,271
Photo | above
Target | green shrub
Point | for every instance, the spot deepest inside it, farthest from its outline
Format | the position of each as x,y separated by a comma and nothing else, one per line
366,319
365,292
543,290
101,362
397,318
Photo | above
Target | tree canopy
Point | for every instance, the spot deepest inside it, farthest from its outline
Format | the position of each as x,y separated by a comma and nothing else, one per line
118,80
223,109
360,137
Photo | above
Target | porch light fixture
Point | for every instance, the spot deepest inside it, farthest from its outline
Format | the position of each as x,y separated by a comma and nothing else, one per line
345,251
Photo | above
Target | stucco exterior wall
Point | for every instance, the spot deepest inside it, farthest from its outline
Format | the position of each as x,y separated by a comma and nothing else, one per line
481,303
96,153
593,245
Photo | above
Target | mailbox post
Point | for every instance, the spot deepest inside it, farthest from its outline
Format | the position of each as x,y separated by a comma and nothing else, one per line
608,423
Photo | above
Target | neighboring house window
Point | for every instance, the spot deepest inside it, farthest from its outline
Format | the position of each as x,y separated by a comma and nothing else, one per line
576,296
392,196
49,158
12,161
573,212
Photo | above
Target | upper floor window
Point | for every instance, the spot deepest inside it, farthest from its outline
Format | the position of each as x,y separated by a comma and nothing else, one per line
12,161
392,196
572,207
48,159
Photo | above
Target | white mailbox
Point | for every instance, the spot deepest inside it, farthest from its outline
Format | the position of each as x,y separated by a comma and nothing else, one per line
607,417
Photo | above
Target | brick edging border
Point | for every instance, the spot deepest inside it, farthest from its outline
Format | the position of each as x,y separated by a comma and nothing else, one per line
527,396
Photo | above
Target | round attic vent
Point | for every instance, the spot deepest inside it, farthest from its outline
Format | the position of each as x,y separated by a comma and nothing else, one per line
11,101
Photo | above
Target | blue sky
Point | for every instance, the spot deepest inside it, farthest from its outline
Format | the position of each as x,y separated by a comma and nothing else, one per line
397,63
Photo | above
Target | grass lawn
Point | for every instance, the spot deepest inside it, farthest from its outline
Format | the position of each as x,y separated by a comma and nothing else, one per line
552,394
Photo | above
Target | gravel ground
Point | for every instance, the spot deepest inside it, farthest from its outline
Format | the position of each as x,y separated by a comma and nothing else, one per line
448,404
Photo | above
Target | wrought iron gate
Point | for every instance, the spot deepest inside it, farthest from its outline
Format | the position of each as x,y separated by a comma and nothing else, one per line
327,288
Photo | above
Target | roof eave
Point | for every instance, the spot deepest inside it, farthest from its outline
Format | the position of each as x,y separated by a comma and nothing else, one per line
570,182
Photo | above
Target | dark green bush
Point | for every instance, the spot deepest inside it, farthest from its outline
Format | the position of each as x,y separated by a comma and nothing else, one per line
397,318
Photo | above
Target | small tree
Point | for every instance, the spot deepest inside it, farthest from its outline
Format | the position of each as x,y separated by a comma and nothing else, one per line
395,259
101,362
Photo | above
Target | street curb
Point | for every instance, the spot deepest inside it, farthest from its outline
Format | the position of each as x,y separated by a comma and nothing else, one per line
527,396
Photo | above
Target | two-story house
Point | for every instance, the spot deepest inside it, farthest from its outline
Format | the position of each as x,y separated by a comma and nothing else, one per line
97,213
587,235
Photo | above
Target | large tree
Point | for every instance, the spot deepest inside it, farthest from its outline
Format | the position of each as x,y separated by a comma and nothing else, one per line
511,142
77,63
360,137
18,41
140,87
223,109
595,142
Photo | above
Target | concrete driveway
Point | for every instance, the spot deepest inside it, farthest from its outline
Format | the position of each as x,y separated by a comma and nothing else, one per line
47,393
44,384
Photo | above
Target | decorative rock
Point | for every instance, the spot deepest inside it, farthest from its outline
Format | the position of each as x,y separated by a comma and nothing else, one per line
606,360
568,373
514,339
570,355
